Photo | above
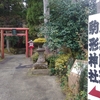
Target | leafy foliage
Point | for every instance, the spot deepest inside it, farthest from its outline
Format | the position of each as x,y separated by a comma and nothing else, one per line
82,95
39,40
61,64
11,12
83,76
34,13
13,40
68,23
51,63
35,57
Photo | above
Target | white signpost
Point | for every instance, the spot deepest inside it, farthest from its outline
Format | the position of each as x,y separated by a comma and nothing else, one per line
94,57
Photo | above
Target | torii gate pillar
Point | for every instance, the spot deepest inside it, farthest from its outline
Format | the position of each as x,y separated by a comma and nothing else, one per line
2,44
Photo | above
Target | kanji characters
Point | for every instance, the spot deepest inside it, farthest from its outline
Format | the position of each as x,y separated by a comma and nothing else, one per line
93,75
93,27
93,60
93,44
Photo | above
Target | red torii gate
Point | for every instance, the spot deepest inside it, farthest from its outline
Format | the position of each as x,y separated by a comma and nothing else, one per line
2,34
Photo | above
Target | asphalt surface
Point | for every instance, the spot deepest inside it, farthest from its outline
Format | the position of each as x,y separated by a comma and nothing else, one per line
16,84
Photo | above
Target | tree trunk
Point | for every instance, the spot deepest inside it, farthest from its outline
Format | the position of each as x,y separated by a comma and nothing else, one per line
46,11
46,18
7,45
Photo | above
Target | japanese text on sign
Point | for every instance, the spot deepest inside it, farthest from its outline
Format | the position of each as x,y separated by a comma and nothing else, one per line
94,57
94,45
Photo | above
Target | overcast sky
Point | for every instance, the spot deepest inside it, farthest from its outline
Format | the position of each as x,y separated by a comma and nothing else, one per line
97,0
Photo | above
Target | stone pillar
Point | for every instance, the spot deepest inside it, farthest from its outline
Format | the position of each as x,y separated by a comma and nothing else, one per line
41,63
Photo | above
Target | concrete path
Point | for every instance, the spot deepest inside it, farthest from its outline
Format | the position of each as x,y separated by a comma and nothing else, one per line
16,84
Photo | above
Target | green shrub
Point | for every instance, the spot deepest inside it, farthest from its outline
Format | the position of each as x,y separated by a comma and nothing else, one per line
83,76
82,95
52,71
83,84
13,50
61,64
51,63
35,57
63,81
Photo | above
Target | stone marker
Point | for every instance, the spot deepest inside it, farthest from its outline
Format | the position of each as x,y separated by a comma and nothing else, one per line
73,79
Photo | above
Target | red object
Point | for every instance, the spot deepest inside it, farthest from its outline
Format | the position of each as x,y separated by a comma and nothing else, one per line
31,46
94,92
26,34
31,52
2,44
2,34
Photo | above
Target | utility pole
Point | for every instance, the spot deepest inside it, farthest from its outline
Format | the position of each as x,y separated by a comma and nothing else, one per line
46,10
46,18
98,7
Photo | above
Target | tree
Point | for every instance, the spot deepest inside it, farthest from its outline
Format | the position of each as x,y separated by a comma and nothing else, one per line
34,16
11,12
68,23
46,11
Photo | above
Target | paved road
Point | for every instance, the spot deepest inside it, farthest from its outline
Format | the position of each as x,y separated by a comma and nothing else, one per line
15,84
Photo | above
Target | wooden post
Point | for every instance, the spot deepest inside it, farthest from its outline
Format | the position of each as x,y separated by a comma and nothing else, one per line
26,32
2,44
31,52
0,40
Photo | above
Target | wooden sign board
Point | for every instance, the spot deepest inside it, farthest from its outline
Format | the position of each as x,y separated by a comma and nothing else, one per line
73,79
